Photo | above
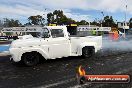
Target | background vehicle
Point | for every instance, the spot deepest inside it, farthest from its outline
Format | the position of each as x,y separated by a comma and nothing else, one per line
55,42
3,38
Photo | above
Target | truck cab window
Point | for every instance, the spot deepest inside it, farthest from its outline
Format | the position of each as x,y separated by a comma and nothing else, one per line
45,33
57,33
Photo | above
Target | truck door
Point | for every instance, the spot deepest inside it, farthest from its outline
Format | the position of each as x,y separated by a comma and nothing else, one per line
59,45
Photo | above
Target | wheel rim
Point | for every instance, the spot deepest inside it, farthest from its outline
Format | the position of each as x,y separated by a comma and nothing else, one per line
88,52
31,59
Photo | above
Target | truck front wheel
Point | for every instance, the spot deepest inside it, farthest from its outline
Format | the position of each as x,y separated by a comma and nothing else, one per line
88,51
30,58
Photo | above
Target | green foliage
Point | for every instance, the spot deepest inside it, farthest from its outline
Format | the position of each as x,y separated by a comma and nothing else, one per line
8,33
130,21
12,23
50,18
95,23
58,17
82,22
108,22
36,20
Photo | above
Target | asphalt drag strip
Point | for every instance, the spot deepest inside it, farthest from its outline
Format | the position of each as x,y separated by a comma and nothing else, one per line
61,73
120,65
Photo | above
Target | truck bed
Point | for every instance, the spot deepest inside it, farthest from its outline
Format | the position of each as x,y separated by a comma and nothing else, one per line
76,41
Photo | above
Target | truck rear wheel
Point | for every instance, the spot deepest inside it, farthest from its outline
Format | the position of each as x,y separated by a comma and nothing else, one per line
30,59
88,51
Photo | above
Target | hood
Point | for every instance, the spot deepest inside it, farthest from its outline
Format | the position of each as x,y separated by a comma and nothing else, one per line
25,42
25,37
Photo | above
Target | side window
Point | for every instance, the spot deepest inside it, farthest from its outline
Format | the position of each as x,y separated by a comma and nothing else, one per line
45,33
57,33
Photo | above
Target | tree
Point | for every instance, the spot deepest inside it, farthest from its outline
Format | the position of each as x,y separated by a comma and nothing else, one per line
50,18
130,21
108,22
59,18
11,23
82,22
36,20
95,23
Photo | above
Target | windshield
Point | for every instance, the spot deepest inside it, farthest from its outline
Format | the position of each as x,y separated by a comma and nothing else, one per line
44,33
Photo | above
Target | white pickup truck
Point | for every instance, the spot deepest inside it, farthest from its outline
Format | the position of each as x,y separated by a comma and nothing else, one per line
55,42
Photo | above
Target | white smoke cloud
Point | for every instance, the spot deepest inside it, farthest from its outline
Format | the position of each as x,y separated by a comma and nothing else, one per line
123,44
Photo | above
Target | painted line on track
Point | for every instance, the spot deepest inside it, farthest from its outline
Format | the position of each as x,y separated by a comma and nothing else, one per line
57,83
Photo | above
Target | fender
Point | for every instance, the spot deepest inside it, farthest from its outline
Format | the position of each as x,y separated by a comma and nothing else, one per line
79,50
39,50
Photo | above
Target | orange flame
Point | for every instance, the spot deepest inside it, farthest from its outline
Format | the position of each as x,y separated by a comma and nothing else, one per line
81,71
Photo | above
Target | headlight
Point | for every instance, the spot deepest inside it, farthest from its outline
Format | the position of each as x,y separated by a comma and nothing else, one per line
12,45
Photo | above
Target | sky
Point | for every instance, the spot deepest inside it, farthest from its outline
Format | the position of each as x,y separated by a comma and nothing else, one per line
88,10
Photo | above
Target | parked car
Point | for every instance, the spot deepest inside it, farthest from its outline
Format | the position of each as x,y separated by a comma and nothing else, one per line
3,38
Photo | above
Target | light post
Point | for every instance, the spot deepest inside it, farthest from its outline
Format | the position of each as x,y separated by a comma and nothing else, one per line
125,23
102,18
126,15
96,20
125,20
116,24
45,17
88,21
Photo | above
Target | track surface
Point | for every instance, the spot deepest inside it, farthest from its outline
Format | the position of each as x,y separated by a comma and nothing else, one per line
115,58
61,73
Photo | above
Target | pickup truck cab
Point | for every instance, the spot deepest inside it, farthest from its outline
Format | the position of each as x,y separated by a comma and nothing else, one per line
55,42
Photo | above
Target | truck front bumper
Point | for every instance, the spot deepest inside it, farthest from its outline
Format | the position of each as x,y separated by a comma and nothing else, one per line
15,53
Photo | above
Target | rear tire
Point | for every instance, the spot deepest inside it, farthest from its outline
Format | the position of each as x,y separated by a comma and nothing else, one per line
30,58
88,51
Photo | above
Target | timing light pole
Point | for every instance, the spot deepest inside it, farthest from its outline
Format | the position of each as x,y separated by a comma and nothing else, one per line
125,19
